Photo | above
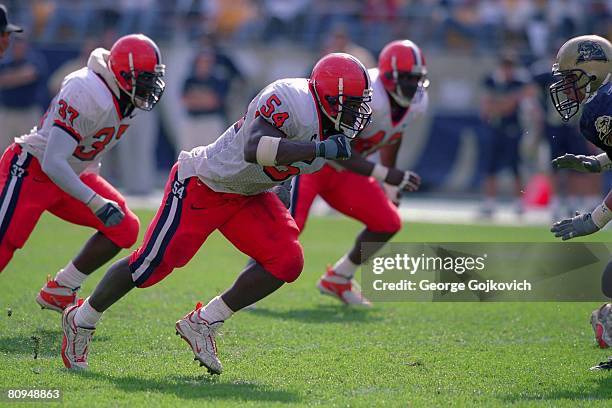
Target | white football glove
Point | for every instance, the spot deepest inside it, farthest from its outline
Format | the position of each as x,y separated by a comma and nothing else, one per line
410,182
108,211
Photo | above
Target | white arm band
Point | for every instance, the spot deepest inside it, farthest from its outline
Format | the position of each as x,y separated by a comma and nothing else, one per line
601,215
604,161
267,148
379,172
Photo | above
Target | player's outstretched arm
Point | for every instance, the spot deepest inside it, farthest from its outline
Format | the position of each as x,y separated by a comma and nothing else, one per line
585,224
583,164
268,146
394,181
404,180
55,164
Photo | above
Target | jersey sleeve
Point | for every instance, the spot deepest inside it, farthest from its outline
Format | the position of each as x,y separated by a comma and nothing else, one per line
72,111
596,122
277,105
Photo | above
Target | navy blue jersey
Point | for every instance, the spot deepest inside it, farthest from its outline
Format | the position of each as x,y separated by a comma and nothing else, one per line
596,119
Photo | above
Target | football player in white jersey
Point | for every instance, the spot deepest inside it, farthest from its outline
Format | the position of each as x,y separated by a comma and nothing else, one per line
290,128
361,188
54,167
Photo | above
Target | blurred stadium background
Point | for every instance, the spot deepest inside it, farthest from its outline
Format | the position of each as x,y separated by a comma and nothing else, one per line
220,53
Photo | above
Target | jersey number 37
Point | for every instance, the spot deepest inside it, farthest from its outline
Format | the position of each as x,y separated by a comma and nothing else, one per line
103,137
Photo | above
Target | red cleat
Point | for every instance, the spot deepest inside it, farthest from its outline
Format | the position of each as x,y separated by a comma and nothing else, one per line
345,290
601,320
56,297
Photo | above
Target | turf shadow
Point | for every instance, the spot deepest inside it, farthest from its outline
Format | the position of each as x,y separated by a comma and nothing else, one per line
603,392
42,342
318,314
202,386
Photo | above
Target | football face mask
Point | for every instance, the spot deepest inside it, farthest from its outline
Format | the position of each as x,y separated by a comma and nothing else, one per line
407,86
354,114
148,89
568,91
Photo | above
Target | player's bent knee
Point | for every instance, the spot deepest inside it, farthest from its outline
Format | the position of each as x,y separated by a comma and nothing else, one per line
132,228
606,281
127,231
289,263
389,223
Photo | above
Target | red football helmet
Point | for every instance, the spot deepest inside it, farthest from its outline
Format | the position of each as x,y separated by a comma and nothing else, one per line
402,70
135,62
342,87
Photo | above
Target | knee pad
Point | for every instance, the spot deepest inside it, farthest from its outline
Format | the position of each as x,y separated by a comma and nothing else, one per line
289,263
606,281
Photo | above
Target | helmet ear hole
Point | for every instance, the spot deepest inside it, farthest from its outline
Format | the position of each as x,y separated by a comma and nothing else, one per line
332,100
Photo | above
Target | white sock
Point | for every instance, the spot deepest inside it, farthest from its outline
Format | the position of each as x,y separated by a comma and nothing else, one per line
215,311
345,267
86,316
70,276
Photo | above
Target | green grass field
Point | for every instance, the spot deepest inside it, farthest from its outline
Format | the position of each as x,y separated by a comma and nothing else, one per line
298,347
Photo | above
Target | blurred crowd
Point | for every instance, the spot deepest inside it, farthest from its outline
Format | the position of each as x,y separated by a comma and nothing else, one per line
480,25
522,33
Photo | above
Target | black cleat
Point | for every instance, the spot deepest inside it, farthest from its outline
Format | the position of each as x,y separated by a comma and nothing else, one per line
604,365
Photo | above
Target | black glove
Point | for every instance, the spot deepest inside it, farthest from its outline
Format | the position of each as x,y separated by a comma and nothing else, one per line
336,147
108,211
283,192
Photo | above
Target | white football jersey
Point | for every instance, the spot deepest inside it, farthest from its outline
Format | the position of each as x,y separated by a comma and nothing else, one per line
382,130
289,105
87,109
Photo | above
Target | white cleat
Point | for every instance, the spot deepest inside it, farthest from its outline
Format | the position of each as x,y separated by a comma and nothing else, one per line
200,335
75,344
345,290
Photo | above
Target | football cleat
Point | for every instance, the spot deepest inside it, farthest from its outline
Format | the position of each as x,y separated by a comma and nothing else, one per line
604,365
200,335
601,320
56,297
344,289
75,344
